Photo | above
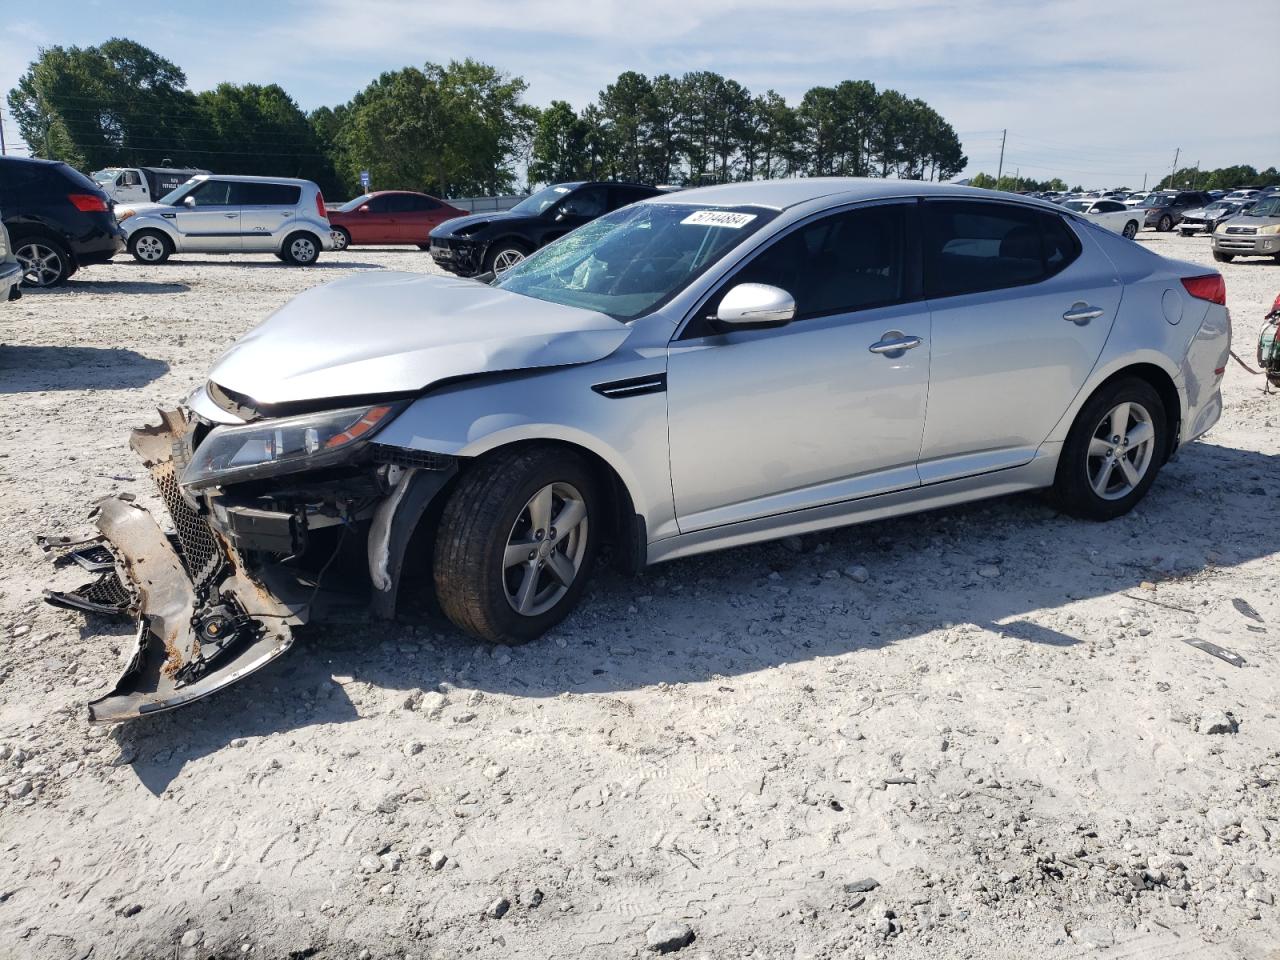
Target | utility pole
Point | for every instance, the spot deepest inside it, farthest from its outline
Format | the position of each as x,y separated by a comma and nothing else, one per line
1144,183
1195,177
2,151
1000,169
1017,179
1176,154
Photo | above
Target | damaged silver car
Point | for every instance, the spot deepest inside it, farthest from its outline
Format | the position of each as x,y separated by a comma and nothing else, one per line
695,371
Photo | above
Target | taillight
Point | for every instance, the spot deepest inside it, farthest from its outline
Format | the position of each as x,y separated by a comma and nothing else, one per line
1211,287
87,202
324,214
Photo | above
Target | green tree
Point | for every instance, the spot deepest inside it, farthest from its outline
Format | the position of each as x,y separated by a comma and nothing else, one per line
560,149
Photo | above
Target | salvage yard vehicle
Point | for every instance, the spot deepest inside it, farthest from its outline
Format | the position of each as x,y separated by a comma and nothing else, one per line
390,217
1208,217
10,269
142,184
231,214
496,242
1255,233
1163,211
58,219
696,371
1111,214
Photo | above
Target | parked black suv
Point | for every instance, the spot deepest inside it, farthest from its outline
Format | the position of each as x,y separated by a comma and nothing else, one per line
1164,209
494,242
58,219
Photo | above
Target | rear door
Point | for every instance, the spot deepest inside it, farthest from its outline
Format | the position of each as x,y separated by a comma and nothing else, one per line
266,212
208,218
425,213
1021,308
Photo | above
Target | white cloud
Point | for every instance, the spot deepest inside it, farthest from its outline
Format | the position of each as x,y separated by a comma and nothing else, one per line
1099,90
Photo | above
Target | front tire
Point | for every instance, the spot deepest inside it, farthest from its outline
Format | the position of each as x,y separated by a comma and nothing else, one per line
45,263
1165,224
502,256
300,249
1223,257
1130,230
516,543
1114,451
341,238
150,246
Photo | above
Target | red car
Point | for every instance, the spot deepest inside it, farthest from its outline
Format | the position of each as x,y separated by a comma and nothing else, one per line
389,216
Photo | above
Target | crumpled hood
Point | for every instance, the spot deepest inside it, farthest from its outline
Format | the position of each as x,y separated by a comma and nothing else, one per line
451,228
389,333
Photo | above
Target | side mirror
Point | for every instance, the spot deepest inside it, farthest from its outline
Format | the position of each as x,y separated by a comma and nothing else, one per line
189,202
754,305
561,214
363,208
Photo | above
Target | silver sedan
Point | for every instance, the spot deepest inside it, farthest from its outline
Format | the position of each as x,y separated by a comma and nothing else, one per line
693,372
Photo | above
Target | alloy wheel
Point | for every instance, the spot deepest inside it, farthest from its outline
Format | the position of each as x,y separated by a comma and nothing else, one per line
506,259
339,240
303,250
1130,230
545,549
1121,451
150,248
41,264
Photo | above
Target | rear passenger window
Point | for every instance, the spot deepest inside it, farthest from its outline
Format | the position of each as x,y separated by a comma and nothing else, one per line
850,261
265,194
422,204
970,247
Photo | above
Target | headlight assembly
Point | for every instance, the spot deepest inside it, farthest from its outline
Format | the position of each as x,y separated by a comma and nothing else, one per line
284,445
123,215
1273,228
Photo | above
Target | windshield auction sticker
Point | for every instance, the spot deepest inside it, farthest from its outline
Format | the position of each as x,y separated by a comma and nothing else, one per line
719,218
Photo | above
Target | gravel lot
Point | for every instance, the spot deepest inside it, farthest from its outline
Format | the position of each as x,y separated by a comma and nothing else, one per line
972,733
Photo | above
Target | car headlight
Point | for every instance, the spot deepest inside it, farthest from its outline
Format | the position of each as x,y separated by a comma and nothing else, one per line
1274,228
124,214
284,445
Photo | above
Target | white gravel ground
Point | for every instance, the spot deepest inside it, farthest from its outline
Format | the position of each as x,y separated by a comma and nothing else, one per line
1018,763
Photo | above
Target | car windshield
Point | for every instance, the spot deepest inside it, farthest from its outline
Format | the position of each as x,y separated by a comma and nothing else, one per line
355,204
174,196
635,259
1080,206
104,176
1266,207
1220,205
533,205
1157,200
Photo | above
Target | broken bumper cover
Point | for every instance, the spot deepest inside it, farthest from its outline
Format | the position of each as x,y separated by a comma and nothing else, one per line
204,619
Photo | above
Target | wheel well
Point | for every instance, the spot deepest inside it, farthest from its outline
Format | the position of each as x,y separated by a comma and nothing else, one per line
305,232
623,527
512,239
1162,383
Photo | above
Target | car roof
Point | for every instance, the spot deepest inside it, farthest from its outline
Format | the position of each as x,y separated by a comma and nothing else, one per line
240,178
781,194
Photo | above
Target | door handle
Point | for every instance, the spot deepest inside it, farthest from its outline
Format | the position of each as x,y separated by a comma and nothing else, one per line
1081,313
895,345
231,216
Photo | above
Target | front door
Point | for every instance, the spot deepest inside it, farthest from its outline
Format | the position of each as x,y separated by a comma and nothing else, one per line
207,218
266,211
1021,309
765,422
129,188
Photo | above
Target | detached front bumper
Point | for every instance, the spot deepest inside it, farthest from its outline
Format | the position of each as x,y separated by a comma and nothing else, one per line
457,256
205,617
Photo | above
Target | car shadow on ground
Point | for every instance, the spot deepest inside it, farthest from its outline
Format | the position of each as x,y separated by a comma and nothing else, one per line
272,264
130,287
30,369
759,607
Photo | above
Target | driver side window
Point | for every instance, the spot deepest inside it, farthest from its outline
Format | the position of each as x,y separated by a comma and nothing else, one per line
845,262
212,193
587,202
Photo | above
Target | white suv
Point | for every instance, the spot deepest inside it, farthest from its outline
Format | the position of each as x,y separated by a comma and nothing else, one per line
227,214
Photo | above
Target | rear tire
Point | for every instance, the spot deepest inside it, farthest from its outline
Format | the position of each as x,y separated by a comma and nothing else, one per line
341,238
500,563
150,246
1223,257
1165,224
1100,477
424,246
300,249
45,263
1130,230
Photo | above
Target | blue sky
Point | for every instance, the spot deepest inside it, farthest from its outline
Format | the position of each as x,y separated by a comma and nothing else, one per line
1098,91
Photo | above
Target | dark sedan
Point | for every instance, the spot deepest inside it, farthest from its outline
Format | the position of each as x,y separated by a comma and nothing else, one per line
496,242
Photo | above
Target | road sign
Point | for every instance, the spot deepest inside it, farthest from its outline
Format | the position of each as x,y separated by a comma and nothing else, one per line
364,179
